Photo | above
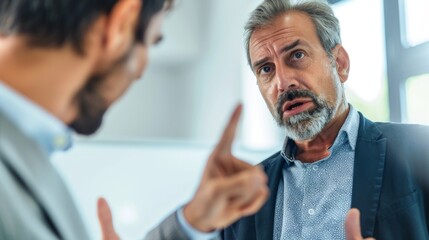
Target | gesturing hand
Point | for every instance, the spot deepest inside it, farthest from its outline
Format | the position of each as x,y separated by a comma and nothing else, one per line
106,221
229,188
353,226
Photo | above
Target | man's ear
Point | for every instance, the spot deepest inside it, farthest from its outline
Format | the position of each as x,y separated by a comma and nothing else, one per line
342,62
121,27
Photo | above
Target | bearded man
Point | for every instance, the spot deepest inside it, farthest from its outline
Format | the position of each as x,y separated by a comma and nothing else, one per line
63,63
333,158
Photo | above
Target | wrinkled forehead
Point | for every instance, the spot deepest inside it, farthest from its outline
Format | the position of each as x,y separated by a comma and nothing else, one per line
283,30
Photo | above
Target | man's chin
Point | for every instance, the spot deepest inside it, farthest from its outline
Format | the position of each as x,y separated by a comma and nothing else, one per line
305,127
291,121
84,130
86,126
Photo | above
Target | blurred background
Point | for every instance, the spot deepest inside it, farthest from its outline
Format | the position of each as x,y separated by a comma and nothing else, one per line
148,157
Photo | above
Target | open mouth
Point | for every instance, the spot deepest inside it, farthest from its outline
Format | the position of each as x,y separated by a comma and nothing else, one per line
293,106
297,106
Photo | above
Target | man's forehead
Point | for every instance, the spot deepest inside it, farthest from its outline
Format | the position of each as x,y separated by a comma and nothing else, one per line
261,41
283,30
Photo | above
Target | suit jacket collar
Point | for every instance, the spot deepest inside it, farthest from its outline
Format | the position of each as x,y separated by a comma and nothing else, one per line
368,173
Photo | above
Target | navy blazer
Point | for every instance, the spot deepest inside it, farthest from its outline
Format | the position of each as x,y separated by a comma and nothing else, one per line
390,185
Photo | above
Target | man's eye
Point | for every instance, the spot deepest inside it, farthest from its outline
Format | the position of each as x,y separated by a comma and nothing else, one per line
266,69
298,55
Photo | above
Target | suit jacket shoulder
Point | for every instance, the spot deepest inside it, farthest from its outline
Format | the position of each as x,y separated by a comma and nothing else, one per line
35,203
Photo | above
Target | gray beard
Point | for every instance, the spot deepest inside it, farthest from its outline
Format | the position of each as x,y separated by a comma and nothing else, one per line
308,124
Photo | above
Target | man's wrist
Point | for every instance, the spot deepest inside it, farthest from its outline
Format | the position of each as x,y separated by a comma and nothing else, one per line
197,222
191,231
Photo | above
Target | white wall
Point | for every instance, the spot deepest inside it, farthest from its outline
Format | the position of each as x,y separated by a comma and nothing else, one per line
193,81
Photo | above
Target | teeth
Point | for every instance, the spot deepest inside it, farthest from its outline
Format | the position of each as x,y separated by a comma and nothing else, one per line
294,106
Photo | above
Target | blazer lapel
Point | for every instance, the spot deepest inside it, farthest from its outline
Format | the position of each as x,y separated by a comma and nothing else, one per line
264,219
368,173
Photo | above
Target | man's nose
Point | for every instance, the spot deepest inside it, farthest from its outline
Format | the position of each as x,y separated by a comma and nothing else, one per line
286,80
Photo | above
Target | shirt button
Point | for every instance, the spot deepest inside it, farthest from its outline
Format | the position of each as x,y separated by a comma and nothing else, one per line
311,211
60,141
315,167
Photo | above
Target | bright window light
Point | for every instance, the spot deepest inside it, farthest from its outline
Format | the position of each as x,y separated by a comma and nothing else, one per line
363,38
416,18
417,105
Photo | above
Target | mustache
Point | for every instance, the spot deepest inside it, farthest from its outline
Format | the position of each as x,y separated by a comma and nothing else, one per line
293,94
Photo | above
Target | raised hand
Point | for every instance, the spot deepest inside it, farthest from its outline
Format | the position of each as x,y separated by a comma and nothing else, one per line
229,188
106,221
352,225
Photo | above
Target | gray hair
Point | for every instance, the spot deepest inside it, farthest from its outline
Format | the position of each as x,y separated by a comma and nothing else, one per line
322,15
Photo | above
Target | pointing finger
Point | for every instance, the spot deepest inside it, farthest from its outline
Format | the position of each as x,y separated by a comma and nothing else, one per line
225,142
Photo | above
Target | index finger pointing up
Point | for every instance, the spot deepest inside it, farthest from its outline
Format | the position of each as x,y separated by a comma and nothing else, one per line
225,142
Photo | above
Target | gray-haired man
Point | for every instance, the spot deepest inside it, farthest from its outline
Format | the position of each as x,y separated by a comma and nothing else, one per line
333,158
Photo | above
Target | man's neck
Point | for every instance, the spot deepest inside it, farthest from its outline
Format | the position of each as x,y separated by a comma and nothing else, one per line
315,149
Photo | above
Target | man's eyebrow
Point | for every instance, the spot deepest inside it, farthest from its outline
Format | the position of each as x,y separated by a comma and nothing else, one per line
290,46
284,49
259,63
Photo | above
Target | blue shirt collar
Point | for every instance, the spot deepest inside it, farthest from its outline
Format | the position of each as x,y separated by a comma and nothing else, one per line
35,122
347,134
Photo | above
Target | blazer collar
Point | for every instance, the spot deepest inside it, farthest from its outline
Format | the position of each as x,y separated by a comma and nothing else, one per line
368,173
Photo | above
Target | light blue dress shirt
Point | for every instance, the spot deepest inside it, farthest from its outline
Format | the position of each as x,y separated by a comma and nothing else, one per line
314,198
35,122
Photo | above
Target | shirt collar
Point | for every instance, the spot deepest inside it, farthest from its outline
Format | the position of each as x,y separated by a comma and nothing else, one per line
35,122
347,134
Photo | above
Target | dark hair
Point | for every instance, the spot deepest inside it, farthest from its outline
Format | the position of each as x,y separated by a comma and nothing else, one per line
53,23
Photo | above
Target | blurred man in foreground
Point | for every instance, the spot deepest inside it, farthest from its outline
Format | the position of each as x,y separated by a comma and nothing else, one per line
63,63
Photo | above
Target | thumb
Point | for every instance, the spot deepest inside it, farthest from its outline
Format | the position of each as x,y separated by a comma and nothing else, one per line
352,225
106,220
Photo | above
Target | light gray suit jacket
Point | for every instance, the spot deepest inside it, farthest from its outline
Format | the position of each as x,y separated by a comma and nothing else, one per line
168,229
35,203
